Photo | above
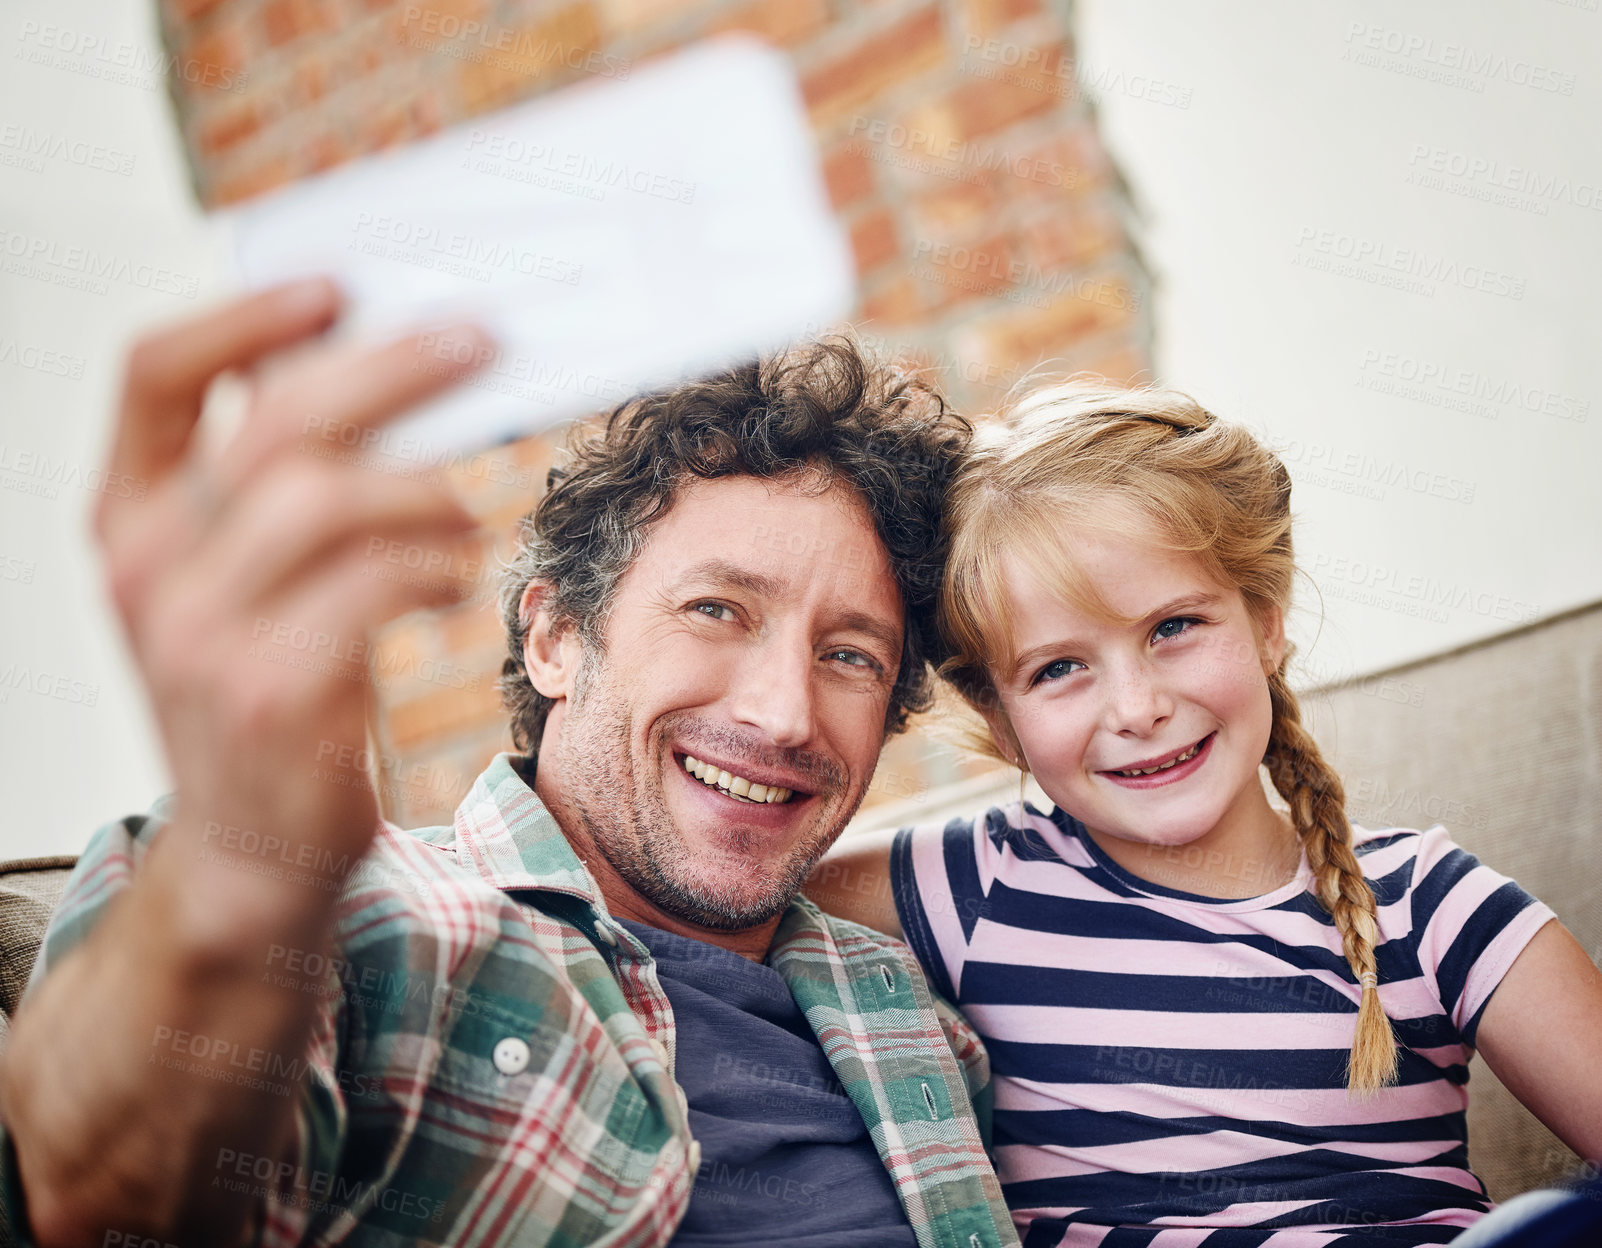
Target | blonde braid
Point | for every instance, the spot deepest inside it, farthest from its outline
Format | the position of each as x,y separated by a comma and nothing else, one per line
1317,803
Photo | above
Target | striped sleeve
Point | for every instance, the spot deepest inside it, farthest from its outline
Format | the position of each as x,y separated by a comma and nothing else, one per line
940,875
1471,924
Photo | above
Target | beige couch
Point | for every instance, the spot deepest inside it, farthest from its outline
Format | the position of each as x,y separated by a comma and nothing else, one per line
1501,742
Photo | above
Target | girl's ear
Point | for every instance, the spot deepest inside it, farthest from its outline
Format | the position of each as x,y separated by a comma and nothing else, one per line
552,657
1001,734
1271,622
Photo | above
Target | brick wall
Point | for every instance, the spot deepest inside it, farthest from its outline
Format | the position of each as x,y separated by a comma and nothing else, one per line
987,221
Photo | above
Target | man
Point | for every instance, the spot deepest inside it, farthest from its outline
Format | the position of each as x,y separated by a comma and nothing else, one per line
594,1009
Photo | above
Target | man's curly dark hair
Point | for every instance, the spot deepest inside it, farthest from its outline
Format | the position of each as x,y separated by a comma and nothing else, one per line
825,410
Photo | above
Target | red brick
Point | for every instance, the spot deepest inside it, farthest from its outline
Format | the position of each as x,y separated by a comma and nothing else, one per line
472,628
848,174
1070,237
402,644
255,178
425,21
309,82
985,105
505,514
987,17
325,150
896,302
226,128
221,49
907,48
1069,163
189,10
536,52
874,240
1024,338
427,111
443,714
1121,363
534,456
284,20
782,22
385,130
954,210
633,16
959,273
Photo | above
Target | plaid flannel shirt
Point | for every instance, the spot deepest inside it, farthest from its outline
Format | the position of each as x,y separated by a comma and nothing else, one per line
491,1061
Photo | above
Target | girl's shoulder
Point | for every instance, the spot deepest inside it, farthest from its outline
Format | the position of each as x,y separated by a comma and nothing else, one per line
1396,861
1017,831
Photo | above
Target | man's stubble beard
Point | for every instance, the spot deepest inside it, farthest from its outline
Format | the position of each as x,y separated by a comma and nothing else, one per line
634,830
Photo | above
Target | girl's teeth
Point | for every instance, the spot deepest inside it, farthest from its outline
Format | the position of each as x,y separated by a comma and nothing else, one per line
1174,762
737,787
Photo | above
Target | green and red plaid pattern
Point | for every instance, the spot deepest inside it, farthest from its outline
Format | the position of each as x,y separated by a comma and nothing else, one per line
455,944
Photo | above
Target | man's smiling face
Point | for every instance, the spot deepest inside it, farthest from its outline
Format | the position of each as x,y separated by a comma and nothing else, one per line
757,634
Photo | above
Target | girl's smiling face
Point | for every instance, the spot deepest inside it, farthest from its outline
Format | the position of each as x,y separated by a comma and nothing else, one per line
1093,702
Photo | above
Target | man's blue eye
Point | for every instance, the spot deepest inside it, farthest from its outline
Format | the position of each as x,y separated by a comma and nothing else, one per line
854,657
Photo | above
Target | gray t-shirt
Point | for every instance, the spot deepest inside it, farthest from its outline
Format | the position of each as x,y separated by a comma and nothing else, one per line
786,1160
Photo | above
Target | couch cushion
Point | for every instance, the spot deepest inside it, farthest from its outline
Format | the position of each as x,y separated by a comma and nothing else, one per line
1498,742
29,891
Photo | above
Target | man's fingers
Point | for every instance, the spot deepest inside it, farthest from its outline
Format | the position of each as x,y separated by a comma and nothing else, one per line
340,398
301,511
320,627
168,371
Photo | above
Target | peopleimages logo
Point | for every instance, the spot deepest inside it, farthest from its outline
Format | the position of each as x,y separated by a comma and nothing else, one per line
1445,385
1443,168
1405,268
481,259
81,267
508,156
120,60
29,148
871,134
460,38
1451,64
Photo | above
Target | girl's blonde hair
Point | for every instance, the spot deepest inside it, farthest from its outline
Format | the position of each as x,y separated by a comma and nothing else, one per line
1070,457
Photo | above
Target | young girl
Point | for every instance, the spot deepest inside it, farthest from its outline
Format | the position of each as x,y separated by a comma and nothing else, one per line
1203,1013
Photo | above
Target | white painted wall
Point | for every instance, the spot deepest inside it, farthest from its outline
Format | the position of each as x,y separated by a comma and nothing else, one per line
1284,160
76,746
1287,151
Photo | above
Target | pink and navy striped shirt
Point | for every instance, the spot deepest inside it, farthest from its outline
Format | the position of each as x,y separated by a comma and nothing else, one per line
1170,1069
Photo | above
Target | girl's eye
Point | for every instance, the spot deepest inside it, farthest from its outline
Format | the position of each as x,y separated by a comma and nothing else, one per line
1055,671
717,610
1173,627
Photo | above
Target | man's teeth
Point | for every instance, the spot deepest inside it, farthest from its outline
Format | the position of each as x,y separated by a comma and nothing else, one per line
736,786
1173,762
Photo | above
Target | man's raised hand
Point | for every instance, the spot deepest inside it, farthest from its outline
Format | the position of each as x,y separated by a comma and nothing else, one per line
270,539
214,560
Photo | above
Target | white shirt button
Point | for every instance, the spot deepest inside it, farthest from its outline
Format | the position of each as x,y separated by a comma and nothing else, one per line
511,1056
604,934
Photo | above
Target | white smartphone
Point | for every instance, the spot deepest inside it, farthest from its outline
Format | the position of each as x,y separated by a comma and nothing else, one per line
614,236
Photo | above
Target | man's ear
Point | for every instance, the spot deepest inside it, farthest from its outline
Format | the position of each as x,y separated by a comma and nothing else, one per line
551,655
